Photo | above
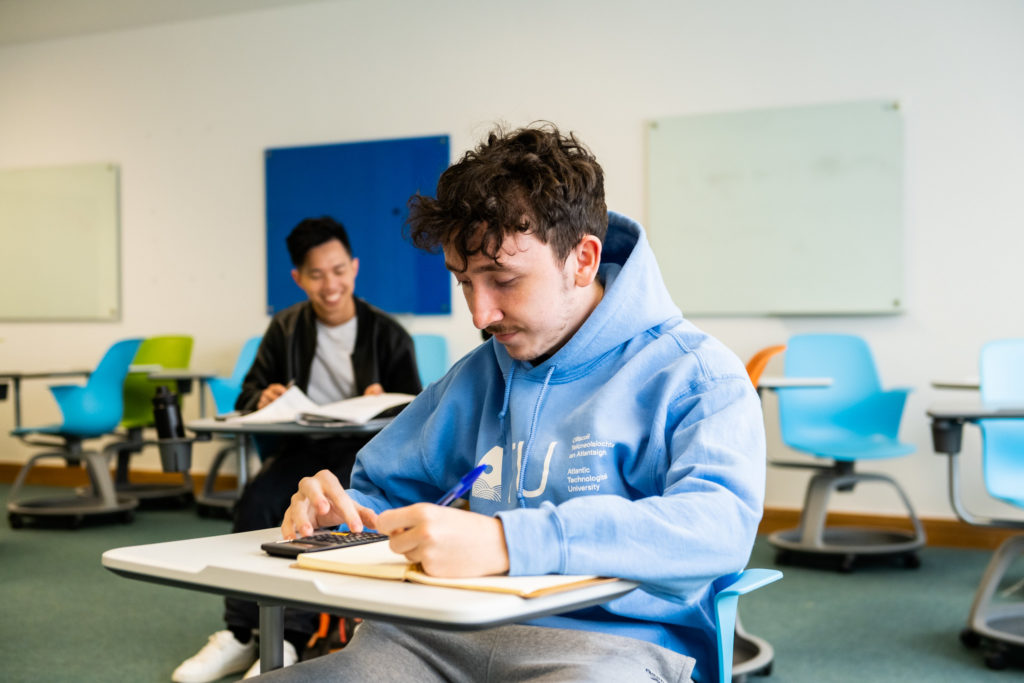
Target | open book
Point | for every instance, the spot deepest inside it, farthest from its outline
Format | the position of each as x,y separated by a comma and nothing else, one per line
378,561
294,406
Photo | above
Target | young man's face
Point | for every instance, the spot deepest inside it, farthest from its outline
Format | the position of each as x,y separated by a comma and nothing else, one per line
328,277
525,299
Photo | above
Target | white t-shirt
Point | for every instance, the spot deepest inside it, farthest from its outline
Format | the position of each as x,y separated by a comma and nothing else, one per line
331,376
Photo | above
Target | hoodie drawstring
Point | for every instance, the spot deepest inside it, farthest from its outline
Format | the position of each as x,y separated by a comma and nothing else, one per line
533,431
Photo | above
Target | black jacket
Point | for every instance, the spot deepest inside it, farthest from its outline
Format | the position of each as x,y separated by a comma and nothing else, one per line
383,353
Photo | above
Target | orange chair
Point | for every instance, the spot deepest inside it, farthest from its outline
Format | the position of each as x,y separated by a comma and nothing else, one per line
758,362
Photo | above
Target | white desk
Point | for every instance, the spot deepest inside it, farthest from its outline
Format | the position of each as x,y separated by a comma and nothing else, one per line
776,383
964,384
17,376
793,382
244,431
234,565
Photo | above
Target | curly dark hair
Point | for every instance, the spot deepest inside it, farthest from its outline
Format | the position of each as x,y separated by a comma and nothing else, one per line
532,179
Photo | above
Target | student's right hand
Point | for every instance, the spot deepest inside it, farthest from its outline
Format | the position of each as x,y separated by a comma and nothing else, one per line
270,394
321,501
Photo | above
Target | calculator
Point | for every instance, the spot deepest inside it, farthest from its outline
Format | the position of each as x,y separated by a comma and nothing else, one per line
323,539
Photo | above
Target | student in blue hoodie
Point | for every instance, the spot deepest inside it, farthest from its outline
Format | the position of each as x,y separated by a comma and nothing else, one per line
620,439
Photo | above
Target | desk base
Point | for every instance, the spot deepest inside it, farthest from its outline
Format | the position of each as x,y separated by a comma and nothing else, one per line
74,508
999,625
847,544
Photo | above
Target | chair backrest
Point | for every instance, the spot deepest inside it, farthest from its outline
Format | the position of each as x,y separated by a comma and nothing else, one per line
844,358
431,356
759,361
225,390
1001,370
96,408
169,351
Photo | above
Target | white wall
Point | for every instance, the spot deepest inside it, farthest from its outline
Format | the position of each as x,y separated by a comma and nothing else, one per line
186,109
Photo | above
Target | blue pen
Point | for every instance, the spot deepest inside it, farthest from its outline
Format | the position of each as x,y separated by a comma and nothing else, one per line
463,487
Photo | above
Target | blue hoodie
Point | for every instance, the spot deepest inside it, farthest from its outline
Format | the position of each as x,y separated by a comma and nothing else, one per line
636,450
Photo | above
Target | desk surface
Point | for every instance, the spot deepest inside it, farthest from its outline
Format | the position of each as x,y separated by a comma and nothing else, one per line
211,425
970,412
42,374
234,565
180,373
793,382
966,383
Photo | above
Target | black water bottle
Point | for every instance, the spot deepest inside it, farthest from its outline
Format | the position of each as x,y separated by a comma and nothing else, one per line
167,414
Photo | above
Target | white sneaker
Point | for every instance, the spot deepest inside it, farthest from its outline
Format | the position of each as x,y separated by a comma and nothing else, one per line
222,655
289,657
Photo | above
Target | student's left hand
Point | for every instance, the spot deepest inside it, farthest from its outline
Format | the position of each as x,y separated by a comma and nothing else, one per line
374,389
445,540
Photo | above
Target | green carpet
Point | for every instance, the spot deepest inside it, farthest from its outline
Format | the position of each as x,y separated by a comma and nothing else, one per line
65,618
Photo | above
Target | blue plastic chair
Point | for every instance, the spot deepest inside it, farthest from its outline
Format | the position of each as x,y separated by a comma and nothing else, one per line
852,419
225,390
999,624
739,653
88,412
431,356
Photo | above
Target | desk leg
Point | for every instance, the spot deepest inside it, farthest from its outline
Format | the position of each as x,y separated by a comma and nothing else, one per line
271,636
16,382
202,397
244,442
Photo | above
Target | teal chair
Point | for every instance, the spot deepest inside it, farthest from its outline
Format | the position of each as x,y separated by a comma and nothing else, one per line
851,420
740,654
998,623
225,392
88,412
431,356
168,352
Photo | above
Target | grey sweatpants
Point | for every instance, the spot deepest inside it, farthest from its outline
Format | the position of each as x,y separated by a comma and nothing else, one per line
390,652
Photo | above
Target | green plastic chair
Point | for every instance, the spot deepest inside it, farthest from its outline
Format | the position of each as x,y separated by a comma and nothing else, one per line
168,352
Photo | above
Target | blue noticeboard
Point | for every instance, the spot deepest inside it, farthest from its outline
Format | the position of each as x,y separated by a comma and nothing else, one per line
366,186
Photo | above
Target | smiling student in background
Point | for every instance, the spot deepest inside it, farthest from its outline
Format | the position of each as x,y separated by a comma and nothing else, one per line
333,346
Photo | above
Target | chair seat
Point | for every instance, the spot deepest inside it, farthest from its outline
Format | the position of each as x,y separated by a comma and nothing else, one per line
854,447
54,429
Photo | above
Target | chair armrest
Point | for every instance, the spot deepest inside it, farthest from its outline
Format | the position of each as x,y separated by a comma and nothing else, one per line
65,393
71,398
880,413
751,579
725,611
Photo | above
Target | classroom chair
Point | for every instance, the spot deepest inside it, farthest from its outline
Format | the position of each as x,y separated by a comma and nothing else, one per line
431,356
759,361
88,412
997,623
167,352
225,391
848,421
740,654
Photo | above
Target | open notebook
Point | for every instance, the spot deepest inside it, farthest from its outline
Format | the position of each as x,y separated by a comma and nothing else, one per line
294,406
378,561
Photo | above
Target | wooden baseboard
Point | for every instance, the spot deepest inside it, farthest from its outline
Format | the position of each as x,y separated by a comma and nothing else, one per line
72,476
946,533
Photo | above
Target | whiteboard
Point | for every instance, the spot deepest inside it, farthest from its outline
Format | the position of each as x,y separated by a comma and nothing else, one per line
60,237
780,211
